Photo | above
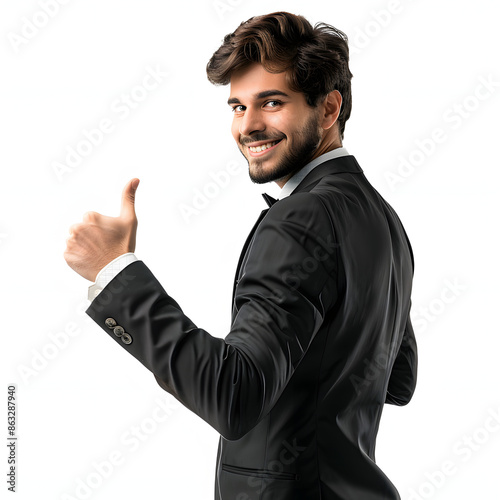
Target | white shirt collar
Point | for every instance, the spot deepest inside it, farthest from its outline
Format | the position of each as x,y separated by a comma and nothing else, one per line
296,179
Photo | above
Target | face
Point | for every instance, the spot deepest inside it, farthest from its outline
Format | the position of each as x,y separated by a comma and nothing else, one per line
275,129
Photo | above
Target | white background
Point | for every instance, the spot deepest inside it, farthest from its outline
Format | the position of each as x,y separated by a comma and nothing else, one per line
416,64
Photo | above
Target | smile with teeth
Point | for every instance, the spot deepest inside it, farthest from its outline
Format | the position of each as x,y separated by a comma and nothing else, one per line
263,147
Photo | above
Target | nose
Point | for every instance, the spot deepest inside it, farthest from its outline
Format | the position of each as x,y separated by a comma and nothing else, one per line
252,121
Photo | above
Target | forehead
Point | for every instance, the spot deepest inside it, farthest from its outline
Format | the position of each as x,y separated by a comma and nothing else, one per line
255,80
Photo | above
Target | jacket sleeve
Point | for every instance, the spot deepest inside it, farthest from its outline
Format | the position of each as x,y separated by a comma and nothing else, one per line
403,378
288,284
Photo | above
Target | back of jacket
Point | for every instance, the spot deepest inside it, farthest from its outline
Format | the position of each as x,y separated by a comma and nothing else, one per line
320,339
340,252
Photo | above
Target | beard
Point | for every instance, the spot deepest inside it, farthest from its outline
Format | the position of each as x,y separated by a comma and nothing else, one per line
292,160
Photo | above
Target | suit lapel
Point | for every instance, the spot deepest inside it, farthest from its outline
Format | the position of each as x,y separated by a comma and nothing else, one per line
243,253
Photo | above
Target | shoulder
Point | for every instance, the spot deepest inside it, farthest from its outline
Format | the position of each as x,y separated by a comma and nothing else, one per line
301,217
302,206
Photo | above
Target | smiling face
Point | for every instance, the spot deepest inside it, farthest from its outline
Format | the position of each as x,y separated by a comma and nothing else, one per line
275,129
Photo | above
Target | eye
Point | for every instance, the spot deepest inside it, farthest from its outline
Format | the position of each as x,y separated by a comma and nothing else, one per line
238,108
273,104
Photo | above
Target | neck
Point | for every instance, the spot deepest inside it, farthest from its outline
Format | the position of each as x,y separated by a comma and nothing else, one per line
326,148
323,148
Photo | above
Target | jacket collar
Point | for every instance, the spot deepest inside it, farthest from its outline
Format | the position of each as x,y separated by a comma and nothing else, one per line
341,165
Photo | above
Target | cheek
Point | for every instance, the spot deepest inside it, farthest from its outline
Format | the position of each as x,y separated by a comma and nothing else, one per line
281,123
235,132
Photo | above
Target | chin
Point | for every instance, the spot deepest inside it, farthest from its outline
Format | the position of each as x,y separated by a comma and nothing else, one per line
263,175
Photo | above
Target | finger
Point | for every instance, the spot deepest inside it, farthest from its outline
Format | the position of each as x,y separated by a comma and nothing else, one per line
75,227
91,217
128,199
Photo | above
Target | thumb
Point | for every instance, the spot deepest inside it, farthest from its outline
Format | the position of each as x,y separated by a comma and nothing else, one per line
128,199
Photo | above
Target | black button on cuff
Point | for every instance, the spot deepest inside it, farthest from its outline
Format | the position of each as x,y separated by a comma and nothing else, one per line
118,330
126,338
110,322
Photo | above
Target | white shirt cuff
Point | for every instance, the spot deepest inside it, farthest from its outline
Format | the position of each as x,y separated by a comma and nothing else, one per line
108,272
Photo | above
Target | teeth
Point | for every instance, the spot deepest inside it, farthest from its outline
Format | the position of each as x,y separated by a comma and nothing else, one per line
258,149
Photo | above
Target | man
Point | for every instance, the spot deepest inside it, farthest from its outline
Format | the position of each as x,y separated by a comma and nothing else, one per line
321,335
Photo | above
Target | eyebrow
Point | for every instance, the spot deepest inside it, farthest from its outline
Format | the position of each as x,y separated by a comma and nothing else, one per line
260,95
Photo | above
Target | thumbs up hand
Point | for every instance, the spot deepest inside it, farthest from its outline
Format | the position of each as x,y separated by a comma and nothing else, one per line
99,239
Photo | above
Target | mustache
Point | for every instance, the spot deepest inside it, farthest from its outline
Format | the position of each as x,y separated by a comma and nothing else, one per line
257,137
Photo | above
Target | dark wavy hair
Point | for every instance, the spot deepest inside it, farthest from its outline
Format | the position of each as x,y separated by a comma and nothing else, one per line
316,59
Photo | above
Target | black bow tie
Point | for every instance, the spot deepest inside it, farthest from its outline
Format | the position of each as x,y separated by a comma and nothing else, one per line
269,199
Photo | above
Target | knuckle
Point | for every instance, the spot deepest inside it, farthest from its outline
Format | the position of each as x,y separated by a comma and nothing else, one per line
89,216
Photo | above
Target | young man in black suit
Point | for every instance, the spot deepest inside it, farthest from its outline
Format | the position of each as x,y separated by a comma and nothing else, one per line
321,335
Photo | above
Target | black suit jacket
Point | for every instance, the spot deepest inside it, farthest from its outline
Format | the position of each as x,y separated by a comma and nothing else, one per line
320,339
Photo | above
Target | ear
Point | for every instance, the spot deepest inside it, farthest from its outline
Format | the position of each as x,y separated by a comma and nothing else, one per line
331,109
